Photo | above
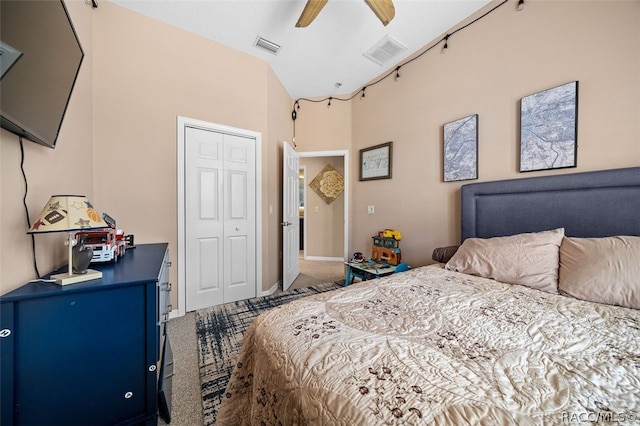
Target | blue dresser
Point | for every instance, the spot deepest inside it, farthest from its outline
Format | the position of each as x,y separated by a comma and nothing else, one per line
90,353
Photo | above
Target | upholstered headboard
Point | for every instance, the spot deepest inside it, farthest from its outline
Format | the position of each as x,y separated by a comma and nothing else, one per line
588,204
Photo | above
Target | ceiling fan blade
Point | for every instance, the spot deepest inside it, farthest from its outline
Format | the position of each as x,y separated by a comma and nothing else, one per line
310,11
384,10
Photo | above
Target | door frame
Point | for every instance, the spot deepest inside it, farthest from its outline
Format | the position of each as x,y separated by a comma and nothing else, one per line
303,168
345,155
182,123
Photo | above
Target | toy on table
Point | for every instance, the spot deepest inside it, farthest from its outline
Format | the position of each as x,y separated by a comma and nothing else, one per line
386,247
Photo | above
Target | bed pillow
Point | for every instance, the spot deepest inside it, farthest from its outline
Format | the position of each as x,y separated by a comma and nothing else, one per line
602,270
526,259
443,254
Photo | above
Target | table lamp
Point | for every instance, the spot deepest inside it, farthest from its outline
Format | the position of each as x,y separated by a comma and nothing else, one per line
69,213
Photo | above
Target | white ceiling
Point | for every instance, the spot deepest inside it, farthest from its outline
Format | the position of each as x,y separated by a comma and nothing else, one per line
312,60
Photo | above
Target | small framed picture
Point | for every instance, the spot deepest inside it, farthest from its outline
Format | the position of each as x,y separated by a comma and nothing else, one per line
461,149
549,128
375,162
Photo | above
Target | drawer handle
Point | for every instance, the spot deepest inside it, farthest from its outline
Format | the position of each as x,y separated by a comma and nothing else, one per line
166,316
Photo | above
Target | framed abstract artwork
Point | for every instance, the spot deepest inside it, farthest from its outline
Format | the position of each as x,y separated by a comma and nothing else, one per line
328,184
375,162
461,149
549,128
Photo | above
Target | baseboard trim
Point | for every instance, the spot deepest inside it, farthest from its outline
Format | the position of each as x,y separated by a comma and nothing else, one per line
176,313
270,291
329,259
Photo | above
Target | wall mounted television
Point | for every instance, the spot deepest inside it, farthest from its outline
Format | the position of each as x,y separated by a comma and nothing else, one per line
40,58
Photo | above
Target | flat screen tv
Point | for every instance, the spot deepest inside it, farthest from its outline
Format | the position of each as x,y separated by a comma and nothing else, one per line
40,57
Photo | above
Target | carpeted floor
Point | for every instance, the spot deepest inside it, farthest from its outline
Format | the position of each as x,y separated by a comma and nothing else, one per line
219,331
313,272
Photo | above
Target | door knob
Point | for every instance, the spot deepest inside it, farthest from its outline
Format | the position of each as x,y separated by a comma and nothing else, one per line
285,223
237,228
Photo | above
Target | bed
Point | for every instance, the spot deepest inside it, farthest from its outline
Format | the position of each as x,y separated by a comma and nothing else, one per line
533,320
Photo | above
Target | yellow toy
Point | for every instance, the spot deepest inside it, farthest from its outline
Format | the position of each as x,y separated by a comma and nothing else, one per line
390,233
386,247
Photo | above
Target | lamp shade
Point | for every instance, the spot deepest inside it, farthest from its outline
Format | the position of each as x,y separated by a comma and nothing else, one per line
67,213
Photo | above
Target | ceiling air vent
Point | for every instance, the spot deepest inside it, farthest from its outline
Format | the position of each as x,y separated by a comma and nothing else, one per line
385,50
267,45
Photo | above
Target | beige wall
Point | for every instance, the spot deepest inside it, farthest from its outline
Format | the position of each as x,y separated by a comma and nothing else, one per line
489,67
146,74
67,169
324,223
118,141
319,128
278,113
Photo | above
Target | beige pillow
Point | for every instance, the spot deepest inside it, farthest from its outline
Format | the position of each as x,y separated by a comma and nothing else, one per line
527,259
602,270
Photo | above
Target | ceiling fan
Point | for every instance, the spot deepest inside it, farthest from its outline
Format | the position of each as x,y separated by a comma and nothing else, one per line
383,9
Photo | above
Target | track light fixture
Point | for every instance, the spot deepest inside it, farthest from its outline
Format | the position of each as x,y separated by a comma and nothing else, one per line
294,116
329,103
398,73
362,97
520,5
446,44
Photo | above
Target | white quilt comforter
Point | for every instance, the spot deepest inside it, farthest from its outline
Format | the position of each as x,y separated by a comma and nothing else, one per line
431,346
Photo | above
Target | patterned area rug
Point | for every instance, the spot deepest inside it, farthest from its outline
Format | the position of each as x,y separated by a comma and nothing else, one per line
220,330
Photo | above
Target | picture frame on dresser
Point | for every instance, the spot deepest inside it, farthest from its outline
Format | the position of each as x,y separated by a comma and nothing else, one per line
549,129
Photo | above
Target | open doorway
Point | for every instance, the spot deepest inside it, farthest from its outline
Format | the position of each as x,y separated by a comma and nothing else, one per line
323,220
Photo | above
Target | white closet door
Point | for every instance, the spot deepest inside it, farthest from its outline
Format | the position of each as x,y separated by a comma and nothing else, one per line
220,218
239,218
